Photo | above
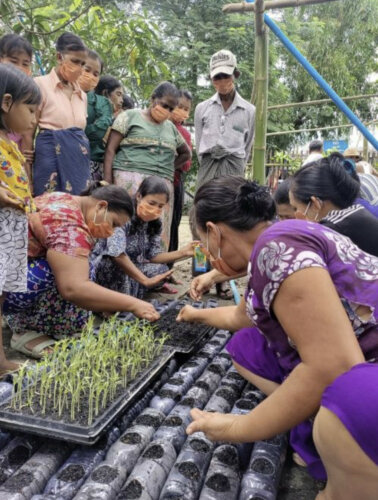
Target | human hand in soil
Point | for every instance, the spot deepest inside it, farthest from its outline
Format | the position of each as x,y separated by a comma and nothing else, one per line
200,285
155,280
187,313
8,199
144,310
216,426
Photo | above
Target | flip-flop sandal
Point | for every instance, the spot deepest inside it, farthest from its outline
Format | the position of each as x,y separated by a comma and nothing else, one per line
37,351
174,280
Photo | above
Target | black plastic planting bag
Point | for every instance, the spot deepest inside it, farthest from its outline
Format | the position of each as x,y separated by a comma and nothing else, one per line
32,477
264,471
104,483
150,473
222,480
71,475
15,454
186,478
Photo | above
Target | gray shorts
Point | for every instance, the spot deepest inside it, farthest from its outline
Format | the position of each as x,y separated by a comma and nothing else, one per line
13,250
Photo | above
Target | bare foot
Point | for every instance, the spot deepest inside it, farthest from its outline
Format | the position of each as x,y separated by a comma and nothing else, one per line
7,366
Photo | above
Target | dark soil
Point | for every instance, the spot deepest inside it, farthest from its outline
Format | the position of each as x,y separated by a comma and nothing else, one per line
202,385
104,474
187,402
262,465
155,451
134,490
218,482
276,441
176,381
234,376
19,455
19,481
167,393
213,342
234,387
224,355
245,404
189,470
181,335
172,422
199,445
227,456
214,368
131,438
226,394
148,421
71,473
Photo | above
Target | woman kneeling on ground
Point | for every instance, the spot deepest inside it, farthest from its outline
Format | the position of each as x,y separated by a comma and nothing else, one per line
60,291
136,247
313,294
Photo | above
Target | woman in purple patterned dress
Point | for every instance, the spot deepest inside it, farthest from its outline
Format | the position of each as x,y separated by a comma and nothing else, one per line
314,295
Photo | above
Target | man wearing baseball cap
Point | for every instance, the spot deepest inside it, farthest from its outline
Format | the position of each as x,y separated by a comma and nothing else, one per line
224,129
224,124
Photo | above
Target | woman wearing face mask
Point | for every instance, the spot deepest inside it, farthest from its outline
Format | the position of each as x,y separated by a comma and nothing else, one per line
100,113
111,88
60,292
135,248
145,142
61,161
325,192
313,294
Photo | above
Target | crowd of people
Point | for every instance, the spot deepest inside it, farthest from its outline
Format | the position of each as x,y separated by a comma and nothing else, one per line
91,197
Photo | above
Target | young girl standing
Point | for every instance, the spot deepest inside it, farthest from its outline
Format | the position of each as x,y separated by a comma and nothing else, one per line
19,98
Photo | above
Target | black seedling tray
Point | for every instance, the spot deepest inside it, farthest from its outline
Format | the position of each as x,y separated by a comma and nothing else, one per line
182,337
75,433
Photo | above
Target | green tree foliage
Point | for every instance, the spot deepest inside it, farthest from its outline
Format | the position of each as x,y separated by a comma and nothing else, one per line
129,44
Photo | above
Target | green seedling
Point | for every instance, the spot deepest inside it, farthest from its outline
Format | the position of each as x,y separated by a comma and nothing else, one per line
87,373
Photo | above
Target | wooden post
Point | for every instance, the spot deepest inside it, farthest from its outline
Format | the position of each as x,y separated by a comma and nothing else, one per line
261,89
275,4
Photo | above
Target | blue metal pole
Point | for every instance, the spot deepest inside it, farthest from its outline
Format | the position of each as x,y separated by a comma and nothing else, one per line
235,292
320,80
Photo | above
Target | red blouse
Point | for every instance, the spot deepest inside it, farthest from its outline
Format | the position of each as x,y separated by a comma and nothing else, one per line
58,225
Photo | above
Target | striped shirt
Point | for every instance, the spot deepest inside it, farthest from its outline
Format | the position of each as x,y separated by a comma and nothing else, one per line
369,188
233,130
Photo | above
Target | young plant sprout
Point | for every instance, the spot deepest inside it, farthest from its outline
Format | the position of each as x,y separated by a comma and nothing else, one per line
85,374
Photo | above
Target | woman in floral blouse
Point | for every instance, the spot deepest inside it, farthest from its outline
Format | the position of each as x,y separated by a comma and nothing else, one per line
313,294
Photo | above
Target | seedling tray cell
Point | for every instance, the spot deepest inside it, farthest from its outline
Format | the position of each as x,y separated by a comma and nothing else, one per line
183,336
72,432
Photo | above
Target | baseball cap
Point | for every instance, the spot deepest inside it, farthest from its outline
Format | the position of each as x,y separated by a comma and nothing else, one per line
223,61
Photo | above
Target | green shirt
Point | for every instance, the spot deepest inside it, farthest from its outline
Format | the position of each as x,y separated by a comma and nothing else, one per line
147,148
100,117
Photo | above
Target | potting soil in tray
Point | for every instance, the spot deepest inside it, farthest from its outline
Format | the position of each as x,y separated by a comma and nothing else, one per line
52,425
182,336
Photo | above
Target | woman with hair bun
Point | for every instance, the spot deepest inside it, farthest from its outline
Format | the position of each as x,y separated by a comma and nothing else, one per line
326,192
60,291
313,295
62,155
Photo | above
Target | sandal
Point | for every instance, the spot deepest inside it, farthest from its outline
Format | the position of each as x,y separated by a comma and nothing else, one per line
166,288
37,351
223,291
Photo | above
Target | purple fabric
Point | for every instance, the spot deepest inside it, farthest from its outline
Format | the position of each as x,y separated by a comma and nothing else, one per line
353,398
373,209
292,245
249,348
